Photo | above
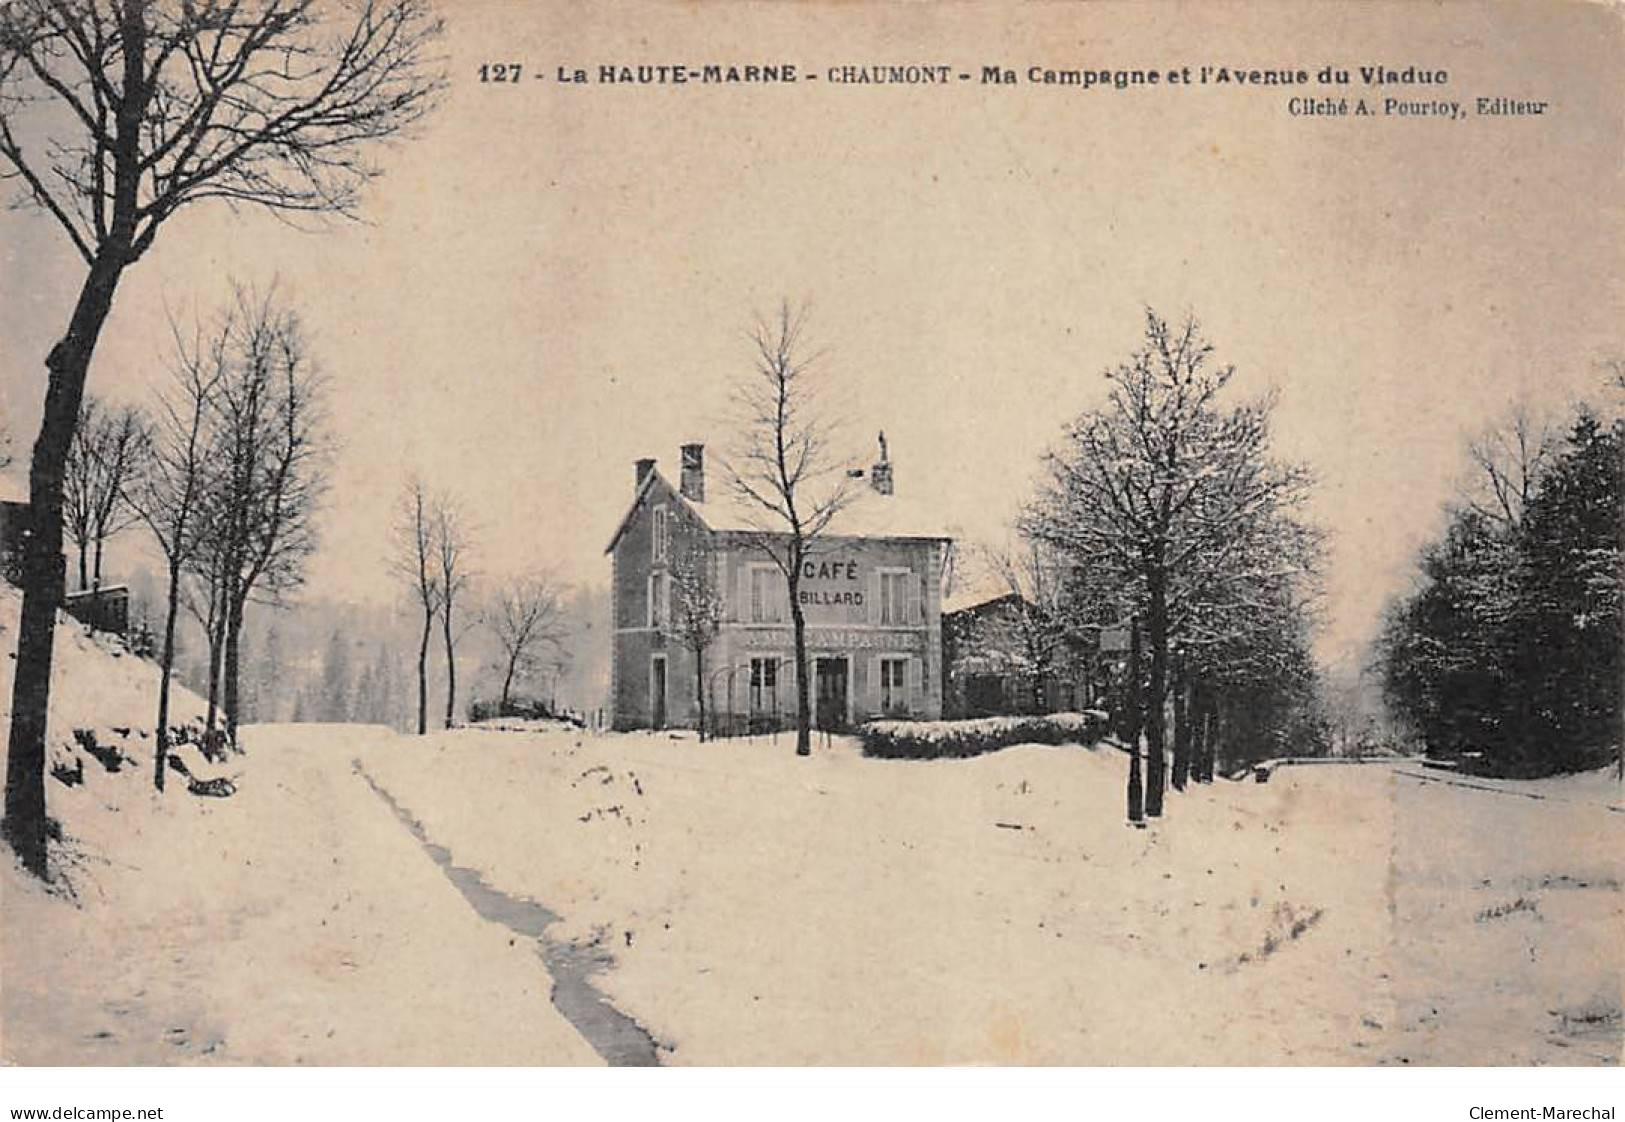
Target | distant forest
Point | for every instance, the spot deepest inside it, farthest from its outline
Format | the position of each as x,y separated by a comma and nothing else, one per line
325,660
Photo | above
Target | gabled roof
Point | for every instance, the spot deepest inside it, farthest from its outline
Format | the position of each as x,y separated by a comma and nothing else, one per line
637,497
971,600
871,515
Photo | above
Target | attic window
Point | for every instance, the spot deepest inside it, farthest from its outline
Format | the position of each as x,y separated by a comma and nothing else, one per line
662,534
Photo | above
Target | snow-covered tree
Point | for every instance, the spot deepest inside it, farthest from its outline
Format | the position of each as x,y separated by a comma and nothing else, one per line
697,608
1171,491
335,692
1508,653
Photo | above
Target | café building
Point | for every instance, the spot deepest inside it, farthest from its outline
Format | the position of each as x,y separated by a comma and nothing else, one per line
871,594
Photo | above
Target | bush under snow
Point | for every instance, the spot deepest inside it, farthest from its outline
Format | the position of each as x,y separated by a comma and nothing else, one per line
932,740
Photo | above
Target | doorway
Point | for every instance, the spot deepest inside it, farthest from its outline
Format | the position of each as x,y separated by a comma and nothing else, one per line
830,677
657,692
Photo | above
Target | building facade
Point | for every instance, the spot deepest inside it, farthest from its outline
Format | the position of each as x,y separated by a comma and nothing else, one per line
685,565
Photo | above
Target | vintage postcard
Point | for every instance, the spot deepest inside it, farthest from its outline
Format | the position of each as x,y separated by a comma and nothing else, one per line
864,534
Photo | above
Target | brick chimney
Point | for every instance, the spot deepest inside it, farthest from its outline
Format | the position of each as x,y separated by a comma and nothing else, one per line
880,473
645,466
692,484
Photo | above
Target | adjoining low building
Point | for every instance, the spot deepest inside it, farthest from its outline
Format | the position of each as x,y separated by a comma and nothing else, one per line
871,595
101,609
997,661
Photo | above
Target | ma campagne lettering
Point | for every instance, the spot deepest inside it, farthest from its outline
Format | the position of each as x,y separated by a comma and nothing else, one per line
828,639
1086,78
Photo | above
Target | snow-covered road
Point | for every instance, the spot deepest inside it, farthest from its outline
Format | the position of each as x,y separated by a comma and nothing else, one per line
295,923
369,898
842,910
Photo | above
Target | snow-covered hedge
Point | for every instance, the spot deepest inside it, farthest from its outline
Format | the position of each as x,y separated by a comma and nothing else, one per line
931,740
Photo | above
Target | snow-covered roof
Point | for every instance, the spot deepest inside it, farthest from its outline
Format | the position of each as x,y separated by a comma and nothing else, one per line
870,515
975,595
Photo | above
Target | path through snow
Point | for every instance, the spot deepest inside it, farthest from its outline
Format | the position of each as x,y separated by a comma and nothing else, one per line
620,1040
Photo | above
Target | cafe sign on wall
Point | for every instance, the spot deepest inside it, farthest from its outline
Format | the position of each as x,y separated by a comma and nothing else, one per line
831,582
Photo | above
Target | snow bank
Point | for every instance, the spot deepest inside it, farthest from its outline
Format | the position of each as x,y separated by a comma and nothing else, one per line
109,698
294,923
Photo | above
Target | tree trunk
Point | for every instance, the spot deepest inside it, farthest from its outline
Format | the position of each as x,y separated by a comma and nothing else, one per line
1156,763
217,646
1136,792
699,686
451,668
423,672
803,704
233,676
96,573
84,578
1209,734
166,669
507,684
1182,729
1201,734
43,569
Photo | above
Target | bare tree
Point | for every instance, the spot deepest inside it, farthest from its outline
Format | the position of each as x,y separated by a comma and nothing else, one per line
527,618
115,115
168,491
1509,459
203,596
786,470
698,607
105,452
415,563
1036,631
273,458
451,549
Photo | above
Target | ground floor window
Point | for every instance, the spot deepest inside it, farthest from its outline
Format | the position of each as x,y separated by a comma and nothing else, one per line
764,685
894,685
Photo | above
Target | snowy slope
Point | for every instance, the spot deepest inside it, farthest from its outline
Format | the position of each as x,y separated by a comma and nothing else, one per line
844,910
96,685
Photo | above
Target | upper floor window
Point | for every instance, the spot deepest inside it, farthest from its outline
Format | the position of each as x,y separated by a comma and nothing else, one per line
894,597
765,601
662,534
659,599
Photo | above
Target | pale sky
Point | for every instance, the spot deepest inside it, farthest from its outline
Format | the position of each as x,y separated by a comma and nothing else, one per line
555,281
